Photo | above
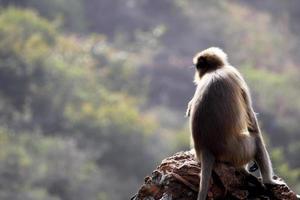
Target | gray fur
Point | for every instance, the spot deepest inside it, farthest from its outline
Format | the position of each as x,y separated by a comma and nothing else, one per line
222,122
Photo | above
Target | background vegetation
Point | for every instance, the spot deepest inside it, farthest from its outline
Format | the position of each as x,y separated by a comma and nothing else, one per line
93,93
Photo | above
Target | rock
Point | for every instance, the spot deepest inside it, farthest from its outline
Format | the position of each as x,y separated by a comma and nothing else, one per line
177,178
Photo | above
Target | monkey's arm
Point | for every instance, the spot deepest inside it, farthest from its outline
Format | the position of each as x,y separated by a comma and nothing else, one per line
253,126
261,157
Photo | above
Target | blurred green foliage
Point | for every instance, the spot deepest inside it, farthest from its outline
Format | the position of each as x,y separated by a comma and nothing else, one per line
54,87
93,93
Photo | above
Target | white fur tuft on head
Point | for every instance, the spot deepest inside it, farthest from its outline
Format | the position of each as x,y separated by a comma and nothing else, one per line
214,52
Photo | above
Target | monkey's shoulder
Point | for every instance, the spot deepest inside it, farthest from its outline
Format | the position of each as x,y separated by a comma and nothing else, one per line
221,80
220,86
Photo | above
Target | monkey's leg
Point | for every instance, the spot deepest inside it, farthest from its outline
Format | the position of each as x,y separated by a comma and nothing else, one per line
263,161
262,157
207,162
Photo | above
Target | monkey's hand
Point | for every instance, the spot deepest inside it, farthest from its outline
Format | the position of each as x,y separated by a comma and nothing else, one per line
188,110
253,167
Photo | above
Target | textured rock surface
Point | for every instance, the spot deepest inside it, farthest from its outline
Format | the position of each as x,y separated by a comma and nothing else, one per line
177,179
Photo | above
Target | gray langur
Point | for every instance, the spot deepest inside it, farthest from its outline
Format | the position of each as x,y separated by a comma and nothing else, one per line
223,124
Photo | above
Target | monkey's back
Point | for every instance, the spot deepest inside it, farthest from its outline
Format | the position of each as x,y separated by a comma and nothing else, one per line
218,114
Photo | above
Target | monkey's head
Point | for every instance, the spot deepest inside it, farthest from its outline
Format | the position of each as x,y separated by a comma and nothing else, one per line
208,60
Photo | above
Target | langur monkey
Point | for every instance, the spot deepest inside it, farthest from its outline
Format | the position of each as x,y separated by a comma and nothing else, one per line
222,121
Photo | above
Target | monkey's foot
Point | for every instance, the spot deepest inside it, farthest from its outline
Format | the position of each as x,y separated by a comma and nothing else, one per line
274,182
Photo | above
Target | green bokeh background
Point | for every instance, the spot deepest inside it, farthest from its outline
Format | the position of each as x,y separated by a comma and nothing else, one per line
93,92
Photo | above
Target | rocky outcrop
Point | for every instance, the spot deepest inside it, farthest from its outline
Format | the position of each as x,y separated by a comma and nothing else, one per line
177,178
